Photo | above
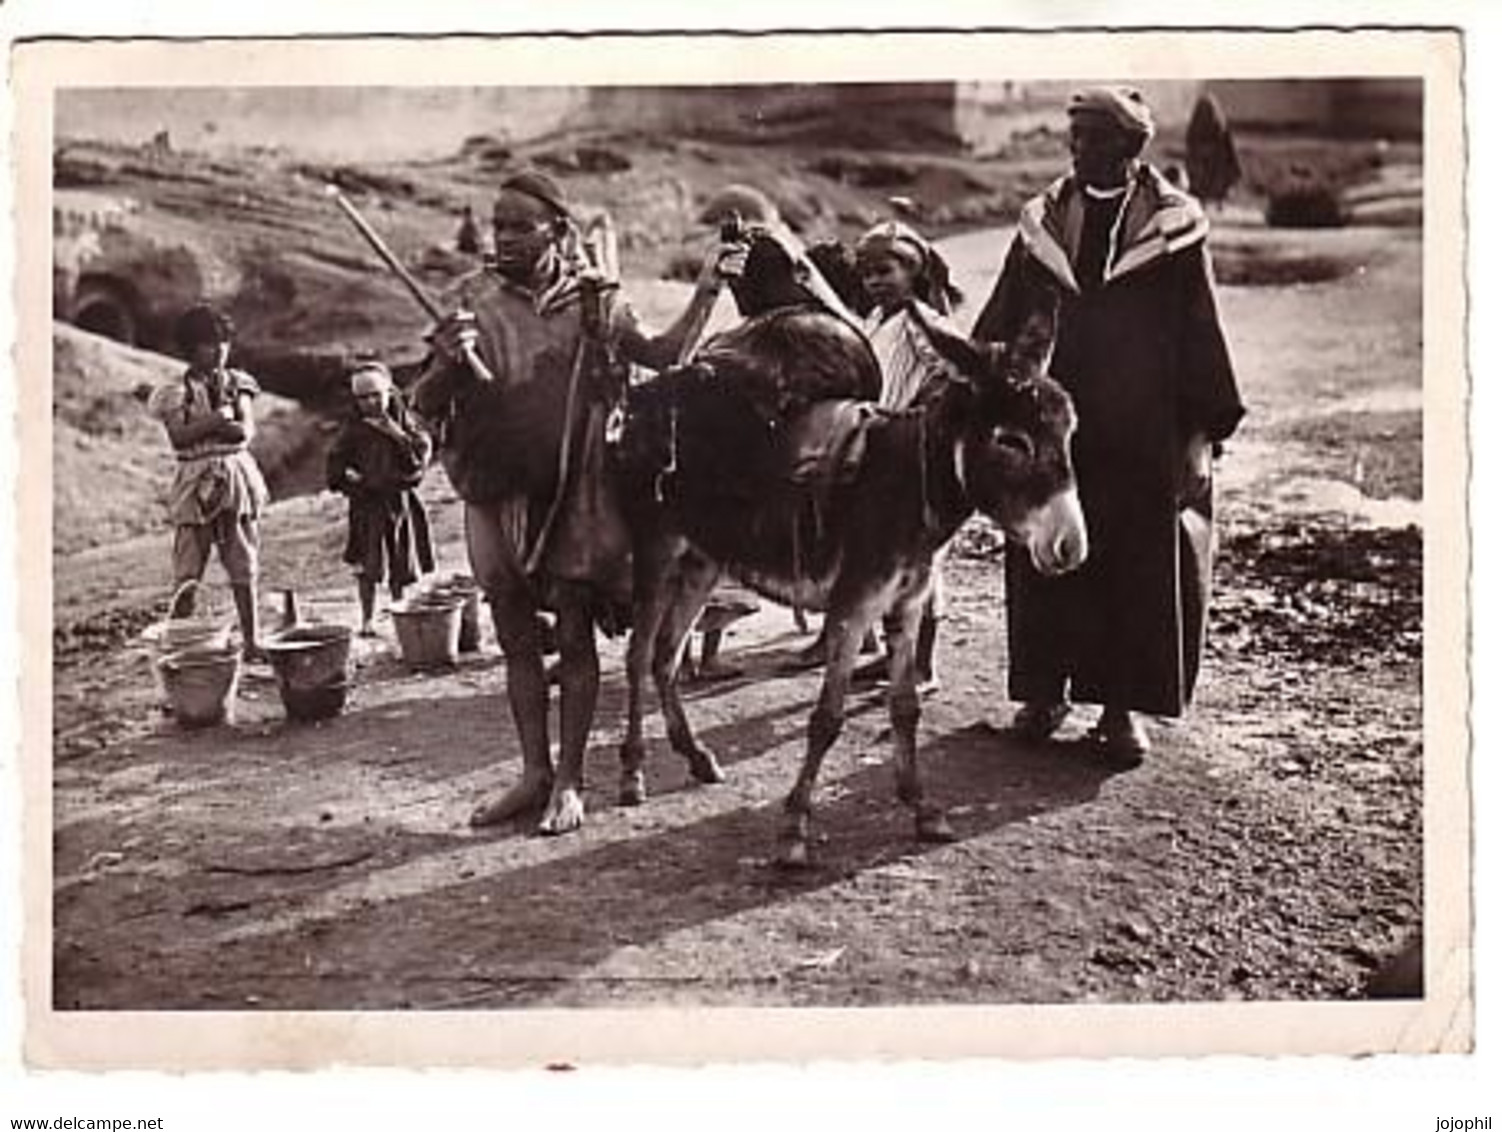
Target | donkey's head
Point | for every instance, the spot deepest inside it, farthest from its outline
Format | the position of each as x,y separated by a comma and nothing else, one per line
1013,426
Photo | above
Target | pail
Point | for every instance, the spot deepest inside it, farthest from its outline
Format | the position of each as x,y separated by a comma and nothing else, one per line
469,622
200,684
427,628
312,668
466,590
184,634
179,634
314,703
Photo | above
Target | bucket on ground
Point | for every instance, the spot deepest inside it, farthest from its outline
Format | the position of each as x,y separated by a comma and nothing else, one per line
312,667
178,634
464,589
427,629
200,684
184,634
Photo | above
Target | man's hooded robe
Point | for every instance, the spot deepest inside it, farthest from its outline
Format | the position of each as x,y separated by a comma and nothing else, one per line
1139,347
1210,151
502,442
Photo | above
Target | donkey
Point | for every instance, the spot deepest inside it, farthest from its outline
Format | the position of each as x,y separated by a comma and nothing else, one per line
705,477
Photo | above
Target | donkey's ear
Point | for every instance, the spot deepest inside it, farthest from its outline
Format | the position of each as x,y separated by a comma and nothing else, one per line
954,348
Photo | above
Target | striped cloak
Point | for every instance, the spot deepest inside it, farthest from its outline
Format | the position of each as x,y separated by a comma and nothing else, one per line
1145,359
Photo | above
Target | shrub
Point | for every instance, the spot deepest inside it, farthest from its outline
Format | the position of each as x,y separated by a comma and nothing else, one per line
1305,202
865,172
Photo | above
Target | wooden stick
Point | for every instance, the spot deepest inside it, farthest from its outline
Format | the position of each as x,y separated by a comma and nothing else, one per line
378,245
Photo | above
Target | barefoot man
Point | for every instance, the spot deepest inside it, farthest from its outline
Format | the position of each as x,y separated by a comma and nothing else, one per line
526,453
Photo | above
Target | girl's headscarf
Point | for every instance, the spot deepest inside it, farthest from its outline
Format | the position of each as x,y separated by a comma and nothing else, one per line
931,281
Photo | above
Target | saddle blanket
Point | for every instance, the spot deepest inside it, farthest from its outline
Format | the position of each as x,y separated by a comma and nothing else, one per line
825,444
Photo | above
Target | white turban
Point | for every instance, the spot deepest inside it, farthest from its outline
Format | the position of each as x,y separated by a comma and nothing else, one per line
370,378
892,237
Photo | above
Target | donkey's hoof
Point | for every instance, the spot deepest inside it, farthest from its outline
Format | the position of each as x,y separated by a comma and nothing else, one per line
633,790
565,813
704,766
792,854
934,828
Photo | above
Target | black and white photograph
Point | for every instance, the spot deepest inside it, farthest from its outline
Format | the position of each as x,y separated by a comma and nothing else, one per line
839,541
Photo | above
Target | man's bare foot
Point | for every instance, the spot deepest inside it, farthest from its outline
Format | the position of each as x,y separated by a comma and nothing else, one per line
565,812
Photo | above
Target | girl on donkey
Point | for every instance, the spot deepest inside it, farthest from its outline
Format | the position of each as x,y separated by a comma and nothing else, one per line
898,268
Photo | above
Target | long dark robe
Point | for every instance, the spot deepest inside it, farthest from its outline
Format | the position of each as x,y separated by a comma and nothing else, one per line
388,536
1145,359
1210,151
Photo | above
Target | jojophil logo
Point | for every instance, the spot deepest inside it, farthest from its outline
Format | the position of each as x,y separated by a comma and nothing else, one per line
1463,1124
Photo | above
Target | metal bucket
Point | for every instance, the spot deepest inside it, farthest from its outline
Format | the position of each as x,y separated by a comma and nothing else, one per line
200,683
312,668
184,634
464,589
427,628
179,634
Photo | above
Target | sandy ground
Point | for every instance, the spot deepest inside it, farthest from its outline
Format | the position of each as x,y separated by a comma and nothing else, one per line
1270,847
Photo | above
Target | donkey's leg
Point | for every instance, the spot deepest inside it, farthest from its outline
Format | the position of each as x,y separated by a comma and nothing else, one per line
579,687
696,578
902,630
845,626
655,583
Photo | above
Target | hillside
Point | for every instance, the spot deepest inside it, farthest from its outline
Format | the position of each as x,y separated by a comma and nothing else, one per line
143,230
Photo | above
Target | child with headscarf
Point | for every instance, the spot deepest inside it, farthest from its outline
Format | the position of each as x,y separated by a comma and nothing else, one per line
378,460
899,268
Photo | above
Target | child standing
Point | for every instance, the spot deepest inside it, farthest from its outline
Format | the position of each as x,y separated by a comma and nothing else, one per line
218,492
377,460
897,267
